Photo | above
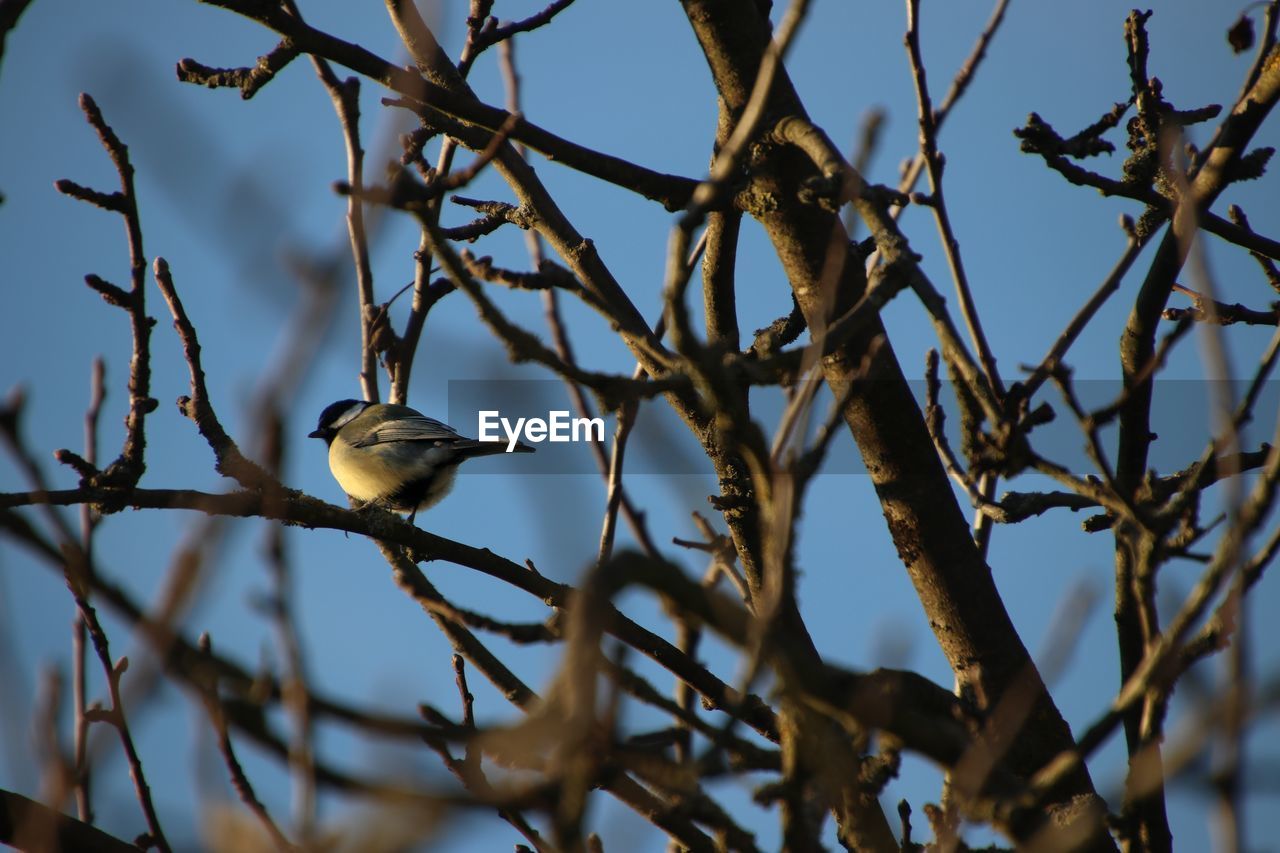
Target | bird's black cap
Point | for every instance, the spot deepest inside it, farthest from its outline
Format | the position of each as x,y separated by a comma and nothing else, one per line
332,413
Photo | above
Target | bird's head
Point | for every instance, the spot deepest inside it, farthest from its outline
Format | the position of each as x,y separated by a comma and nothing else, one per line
335,416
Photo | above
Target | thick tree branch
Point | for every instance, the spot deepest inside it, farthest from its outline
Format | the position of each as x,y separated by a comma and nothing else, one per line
929,529
26,824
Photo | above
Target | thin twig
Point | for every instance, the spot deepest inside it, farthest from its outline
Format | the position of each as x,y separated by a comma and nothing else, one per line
248,80
522,345
490,36
1054,356
294,684
127,469
959,85
1089,426
115,715
239,779
935,420
469,770
946,232
229,461
1269,268
88,524
672,191
626,419
1154,671
1206,310
345,95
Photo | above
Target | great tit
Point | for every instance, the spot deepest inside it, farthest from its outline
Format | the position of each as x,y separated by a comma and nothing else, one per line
395,456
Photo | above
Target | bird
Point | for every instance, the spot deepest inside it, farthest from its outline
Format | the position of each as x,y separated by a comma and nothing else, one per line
395,456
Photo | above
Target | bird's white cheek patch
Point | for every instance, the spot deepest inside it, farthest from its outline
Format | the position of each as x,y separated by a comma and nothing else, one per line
348,416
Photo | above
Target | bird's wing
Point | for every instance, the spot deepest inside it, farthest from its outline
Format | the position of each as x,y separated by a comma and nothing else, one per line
415,428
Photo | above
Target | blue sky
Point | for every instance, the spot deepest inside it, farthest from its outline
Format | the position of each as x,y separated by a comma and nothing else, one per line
230,191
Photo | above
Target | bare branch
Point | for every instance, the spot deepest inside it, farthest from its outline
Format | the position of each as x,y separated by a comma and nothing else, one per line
490,36
946,232
229,461
1221,313
247,80
127,469
19,814
345,95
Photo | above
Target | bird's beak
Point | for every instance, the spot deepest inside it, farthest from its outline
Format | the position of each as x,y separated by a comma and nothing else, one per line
316,434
